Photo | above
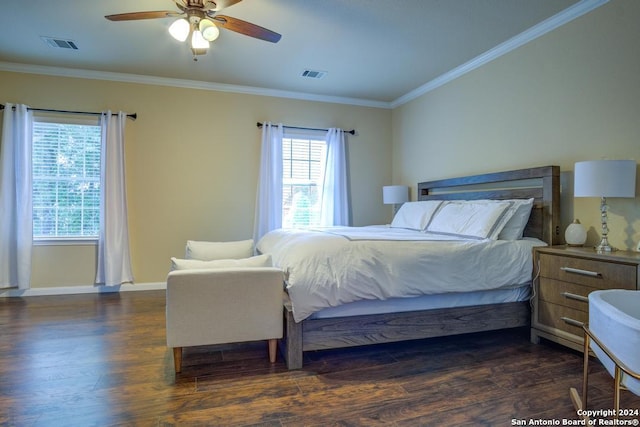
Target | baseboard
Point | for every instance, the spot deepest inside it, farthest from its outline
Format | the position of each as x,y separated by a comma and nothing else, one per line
88,289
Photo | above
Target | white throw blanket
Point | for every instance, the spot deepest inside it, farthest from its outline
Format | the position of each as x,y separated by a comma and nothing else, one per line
338,265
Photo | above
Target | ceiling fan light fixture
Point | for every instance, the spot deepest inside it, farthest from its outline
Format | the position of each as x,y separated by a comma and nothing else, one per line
179,30
199,25
208,29
197,41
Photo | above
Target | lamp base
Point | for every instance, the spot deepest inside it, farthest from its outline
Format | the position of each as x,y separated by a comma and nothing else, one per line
604,246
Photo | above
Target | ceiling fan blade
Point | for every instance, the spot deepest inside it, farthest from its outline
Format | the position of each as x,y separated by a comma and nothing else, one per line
143,15
218,5
246,28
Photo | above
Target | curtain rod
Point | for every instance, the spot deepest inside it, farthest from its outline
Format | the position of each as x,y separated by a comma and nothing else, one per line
132,116
352,131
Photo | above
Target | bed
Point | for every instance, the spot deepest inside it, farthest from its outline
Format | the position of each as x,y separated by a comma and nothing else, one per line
427,304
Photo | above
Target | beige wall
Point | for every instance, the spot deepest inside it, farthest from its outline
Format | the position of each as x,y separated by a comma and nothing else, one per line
192,156
192,164
571,95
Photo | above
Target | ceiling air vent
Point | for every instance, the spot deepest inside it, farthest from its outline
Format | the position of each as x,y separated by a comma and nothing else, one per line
313,74
59,43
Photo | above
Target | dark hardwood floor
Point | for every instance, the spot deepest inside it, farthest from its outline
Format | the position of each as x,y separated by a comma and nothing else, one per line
101,360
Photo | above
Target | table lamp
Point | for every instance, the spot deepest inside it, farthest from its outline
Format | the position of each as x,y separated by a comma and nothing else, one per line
395,195
605,178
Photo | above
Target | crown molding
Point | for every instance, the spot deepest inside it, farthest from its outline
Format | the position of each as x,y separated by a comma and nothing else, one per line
538,30
182,83
550,24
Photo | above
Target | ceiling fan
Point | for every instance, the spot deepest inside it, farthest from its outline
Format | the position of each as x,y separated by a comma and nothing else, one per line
199,20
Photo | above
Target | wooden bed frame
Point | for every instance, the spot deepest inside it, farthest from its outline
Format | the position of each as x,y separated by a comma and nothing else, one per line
540,183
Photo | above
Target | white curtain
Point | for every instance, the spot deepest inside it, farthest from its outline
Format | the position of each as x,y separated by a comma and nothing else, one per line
16,221
269,198
114,261
335,204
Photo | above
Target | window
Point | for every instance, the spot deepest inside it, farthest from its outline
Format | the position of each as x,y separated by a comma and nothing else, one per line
303,162
66,179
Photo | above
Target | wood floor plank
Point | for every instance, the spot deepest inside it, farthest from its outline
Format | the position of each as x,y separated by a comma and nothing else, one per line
85,360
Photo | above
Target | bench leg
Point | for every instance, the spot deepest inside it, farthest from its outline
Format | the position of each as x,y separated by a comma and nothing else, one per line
273,347
177,359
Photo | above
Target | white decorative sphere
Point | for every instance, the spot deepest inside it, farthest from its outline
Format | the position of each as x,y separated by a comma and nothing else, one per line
575,234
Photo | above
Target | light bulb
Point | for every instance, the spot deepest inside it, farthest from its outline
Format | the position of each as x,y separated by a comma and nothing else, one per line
209,30
197,41
179,30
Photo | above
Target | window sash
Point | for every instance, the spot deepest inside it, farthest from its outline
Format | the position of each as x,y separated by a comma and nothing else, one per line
303,164
66,179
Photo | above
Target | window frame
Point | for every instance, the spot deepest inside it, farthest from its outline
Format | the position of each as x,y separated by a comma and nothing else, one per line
310,135
45,117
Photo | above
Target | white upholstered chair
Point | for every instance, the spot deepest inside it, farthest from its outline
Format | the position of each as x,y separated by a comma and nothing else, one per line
223,305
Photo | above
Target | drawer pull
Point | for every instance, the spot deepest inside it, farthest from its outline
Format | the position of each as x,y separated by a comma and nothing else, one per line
569,295
579,271
572,322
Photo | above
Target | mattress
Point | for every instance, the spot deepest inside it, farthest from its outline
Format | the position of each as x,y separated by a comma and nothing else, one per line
334,266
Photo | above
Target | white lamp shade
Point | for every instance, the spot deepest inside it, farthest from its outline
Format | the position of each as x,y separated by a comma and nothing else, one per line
605,178
197,41
395,194
179,30
209,30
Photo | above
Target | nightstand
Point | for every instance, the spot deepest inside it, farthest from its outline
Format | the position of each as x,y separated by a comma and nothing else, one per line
563,278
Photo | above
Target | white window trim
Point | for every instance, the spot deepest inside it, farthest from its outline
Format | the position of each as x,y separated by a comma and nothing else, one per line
304,134
66,119
62,241
52,117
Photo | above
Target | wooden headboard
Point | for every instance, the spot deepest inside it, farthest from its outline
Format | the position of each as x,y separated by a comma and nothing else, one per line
541,183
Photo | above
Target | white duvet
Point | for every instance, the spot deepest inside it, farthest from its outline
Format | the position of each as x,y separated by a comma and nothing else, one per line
337,265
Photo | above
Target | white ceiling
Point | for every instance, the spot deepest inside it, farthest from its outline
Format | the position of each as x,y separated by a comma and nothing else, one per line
373,50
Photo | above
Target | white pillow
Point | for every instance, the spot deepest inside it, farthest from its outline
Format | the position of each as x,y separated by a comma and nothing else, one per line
207,251
474,218
514,228
251,262
415,215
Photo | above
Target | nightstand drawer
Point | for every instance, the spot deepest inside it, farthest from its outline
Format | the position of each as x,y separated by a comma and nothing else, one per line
588,272
563,318
564,293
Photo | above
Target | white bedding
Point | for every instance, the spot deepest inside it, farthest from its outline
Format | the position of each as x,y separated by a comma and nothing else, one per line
338,265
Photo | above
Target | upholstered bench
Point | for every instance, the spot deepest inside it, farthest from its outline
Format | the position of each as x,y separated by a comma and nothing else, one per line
219,301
